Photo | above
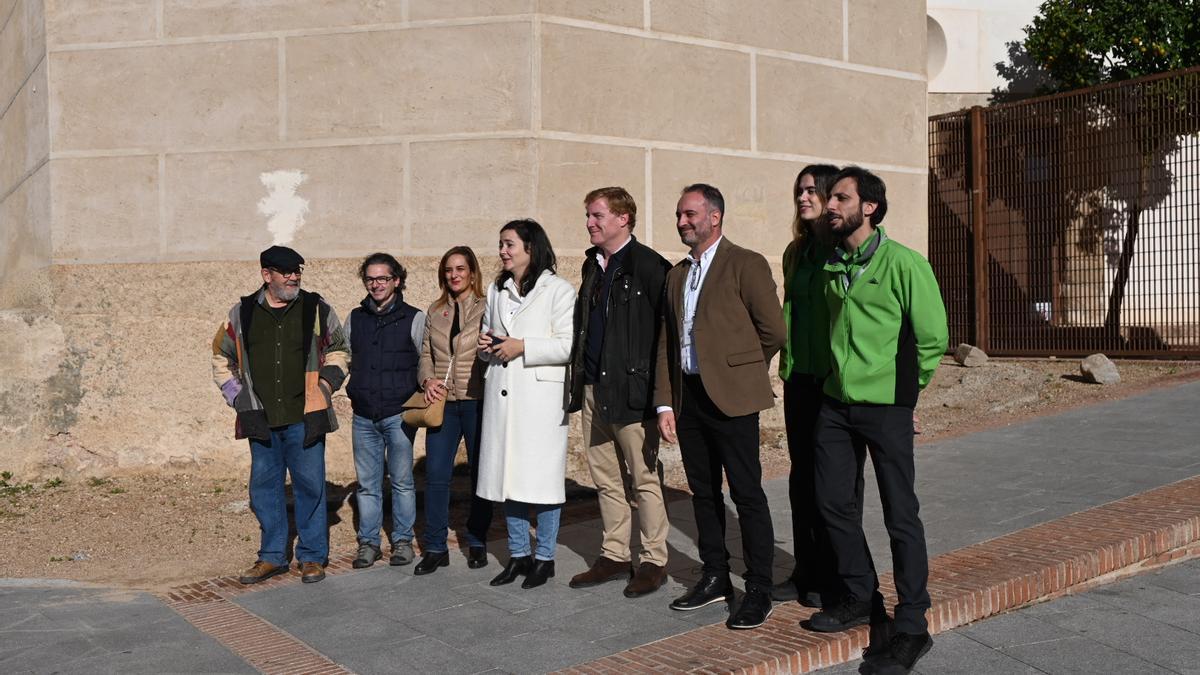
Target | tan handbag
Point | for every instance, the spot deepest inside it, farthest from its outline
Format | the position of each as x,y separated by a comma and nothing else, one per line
418,413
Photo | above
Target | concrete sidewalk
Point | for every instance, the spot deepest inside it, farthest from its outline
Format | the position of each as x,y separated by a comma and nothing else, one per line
973,488
1147,624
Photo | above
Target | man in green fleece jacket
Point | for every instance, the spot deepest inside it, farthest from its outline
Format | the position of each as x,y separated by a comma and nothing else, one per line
887,334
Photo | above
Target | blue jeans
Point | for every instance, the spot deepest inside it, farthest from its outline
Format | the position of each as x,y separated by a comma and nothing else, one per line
516,514
388,441
462,419
269,464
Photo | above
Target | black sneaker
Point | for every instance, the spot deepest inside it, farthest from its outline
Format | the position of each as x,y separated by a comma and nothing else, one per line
711,588
848,613
754,610
906,648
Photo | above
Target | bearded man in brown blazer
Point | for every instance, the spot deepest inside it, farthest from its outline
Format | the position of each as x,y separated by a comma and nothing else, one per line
722,324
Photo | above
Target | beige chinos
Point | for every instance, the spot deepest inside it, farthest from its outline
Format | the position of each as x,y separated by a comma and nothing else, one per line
620,457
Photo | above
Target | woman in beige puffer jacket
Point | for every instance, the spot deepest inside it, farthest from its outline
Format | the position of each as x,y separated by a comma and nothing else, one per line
450,369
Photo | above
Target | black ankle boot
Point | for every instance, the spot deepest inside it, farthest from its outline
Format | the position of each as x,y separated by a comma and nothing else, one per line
477,557
541,571
516,567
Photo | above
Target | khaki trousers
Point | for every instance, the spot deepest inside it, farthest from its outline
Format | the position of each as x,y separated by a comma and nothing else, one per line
624,458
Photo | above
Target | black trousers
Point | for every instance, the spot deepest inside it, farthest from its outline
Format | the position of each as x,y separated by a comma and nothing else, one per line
816,566
713,444
887,432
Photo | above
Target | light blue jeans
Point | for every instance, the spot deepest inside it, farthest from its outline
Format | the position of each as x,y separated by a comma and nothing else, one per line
516,515
388,442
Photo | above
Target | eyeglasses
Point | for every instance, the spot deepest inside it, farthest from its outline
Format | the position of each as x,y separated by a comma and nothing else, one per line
293,273
370,281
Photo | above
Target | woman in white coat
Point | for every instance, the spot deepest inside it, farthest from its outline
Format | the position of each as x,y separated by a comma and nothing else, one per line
526,341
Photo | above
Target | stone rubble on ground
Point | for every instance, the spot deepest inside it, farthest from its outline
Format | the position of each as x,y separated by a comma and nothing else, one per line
970,356
1099,369
239,506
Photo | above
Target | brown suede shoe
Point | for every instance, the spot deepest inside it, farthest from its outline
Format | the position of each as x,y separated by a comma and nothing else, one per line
648,578
311,572
601,571
261,571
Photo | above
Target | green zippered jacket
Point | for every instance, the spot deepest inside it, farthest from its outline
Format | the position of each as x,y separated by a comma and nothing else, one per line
806,351
887,323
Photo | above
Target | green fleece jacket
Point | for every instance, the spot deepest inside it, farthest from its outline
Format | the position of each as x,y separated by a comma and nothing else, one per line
887,323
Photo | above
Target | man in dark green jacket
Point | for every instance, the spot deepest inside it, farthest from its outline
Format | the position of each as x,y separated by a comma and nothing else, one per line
887,334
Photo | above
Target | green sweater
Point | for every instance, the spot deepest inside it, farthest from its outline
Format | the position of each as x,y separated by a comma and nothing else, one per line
887,323
806,351
275,346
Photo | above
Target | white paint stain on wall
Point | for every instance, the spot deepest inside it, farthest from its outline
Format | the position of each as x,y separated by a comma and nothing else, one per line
284,209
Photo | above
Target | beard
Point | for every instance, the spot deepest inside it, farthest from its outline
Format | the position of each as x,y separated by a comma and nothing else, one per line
284,292
847,225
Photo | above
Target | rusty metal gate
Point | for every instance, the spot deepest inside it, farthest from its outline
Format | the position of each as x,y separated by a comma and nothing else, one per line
1070,224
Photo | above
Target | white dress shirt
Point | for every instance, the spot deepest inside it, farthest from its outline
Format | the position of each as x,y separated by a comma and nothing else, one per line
691,297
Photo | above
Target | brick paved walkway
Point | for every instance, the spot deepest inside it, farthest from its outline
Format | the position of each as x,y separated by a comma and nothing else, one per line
1013,515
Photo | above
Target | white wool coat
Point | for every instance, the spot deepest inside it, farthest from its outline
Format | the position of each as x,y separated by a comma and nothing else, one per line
523,447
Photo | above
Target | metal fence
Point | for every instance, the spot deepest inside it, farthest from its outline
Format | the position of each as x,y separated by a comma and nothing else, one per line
1070,224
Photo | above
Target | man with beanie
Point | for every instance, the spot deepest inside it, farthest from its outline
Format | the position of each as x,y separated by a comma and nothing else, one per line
278,357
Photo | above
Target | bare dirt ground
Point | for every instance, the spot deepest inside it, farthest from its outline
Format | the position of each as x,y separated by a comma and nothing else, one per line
156,531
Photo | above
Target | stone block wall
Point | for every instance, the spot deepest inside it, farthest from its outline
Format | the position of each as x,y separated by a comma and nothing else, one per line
170,140
24,152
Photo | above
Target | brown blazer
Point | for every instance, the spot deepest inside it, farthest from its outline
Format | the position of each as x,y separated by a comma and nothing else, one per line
738,328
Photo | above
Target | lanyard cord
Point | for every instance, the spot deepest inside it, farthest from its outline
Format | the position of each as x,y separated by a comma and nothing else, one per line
865,259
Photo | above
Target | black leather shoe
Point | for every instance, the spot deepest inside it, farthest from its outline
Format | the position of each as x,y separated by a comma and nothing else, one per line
848,613
711,588
538,574
516,567
431,561
756,607
476,557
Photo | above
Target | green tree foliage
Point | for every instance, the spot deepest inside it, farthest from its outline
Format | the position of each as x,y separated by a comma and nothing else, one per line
1081,43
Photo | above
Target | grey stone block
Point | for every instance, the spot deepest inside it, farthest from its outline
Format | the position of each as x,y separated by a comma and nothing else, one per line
621,618
89,630
1181,578
471,622
954,653
418,655
1099,369
1008,630
1080,655
1156,624
970,356
537,652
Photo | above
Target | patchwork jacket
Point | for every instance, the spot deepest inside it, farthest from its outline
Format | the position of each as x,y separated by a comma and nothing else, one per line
326,357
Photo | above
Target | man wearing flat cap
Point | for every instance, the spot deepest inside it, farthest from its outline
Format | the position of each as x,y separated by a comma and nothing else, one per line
278,357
